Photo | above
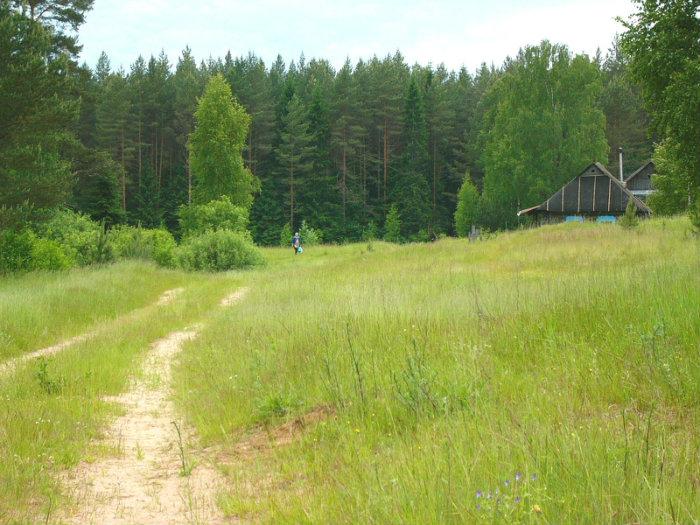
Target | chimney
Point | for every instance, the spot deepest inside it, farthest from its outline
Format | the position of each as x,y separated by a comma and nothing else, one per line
622,178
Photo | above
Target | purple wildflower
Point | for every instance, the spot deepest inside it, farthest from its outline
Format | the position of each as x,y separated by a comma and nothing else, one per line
507,483
479,494
518,476
517,499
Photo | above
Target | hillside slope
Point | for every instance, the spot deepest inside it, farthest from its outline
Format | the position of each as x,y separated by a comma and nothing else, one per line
551,374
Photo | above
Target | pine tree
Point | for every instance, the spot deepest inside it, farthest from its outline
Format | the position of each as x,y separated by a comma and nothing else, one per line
440,119
216,147
345,139
187,86
411,192
295,155
321,204
97,192
38,112
113,123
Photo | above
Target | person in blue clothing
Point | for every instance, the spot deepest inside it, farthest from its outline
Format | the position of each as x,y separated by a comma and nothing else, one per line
296,243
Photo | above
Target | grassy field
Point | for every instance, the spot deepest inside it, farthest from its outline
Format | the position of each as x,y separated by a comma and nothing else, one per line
40,309
546,375
549,375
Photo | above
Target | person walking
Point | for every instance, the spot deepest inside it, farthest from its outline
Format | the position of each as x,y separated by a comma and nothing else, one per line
296,243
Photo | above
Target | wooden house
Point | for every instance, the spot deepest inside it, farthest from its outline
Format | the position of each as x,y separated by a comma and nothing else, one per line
593,194
639,183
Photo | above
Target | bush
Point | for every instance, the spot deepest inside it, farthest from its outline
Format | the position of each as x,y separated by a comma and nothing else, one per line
129,242
218,251
15,251
309,235
467,210
369,234
82,239
392,225
49,255
24,251
694,213
286,235
629,220
220,214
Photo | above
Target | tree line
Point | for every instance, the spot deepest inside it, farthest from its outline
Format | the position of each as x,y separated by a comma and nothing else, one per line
337,149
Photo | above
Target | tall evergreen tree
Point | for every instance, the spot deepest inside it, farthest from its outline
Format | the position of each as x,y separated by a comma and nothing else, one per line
37,113
113,124
411,192
295,156
187,86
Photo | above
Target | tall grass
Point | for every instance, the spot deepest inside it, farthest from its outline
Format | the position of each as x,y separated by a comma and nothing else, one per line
39,309
551,374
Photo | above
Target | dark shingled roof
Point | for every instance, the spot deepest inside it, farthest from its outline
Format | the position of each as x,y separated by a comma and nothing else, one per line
594,192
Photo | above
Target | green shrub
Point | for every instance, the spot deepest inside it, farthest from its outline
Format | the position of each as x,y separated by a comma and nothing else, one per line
694,213
130,242
392,225
310,236
369,234
286,235
49,255
219,250
467,211
220,214
629,220
15,251
83,239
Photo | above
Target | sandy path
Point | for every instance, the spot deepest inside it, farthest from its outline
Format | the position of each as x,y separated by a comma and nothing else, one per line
144,482
166,298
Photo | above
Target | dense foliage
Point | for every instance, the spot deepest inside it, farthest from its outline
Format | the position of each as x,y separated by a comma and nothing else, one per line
663,41
217,250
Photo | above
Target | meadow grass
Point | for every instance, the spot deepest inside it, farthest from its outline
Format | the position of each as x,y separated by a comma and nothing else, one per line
51,409
549,375
40,309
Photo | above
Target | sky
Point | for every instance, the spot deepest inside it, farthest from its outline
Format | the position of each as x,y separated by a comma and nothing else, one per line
456,33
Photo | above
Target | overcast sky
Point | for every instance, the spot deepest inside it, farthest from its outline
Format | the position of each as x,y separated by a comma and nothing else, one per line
453,32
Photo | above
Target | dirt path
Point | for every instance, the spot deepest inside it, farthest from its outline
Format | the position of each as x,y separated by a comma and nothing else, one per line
166,298
144,482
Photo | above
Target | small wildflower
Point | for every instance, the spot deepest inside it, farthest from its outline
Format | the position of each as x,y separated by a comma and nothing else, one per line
533,477
478,507
518,476
537,509
488,496
507,483
517,499
479,494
